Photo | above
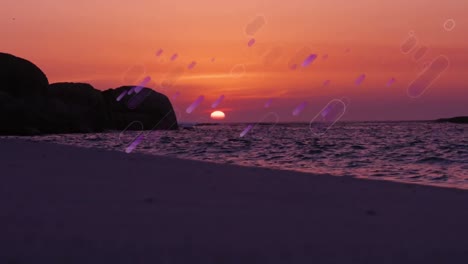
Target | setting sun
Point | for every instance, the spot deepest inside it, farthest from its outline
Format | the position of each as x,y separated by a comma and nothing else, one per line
217,115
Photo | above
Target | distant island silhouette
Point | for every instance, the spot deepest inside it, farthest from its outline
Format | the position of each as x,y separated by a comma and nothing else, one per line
29,105
457,120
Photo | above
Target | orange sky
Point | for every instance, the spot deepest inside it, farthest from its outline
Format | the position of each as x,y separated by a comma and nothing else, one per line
98,41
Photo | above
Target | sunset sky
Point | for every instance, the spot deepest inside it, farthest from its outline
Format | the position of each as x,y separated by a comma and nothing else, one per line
112,43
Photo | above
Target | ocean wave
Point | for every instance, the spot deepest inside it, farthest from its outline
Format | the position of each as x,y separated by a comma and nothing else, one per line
393,150
435,160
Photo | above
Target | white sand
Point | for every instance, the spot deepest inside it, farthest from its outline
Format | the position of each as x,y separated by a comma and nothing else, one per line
61,204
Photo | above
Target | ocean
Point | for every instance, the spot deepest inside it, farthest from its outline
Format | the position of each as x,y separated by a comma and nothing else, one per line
413,152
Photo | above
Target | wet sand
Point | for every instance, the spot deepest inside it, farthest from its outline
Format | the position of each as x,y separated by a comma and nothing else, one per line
62,204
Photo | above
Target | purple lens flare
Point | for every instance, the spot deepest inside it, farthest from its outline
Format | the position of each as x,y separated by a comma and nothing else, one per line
268,103
217,102
409,44
391,81
131,90
174,57
159,52
325,57
142,84
255,25
326,83
134,144
138,99
325,112
143,135
251,42
309,60
192,65
360,79
328,112
121,95
428,76
195,104
299,109
347,50
298,58
176,95
327,117
246,130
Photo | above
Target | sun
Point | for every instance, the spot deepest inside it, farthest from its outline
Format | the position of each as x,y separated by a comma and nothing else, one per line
217,115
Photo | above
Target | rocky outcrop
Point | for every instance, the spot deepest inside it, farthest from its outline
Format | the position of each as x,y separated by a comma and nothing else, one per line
152,109
457,120
23,97
21,78
30,106
79,107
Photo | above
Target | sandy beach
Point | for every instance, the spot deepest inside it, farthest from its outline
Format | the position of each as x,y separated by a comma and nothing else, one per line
62,204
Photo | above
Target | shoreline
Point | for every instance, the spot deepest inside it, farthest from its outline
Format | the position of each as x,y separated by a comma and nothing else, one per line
384,178
65,204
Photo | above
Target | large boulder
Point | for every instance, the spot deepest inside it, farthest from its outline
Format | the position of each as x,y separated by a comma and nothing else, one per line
79,107
17,116
152,109
21,78
30,106
23,90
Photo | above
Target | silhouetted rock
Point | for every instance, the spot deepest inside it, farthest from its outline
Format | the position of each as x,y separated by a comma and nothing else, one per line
78,106
152,109
21,78
16,117
23,90
457,120
30,106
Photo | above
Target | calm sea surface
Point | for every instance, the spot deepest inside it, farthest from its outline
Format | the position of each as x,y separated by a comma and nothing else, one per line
416,152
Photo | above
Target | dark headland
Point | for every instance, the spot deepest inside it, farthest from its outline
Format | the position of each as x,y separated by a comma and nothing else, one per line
29,105
456,120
